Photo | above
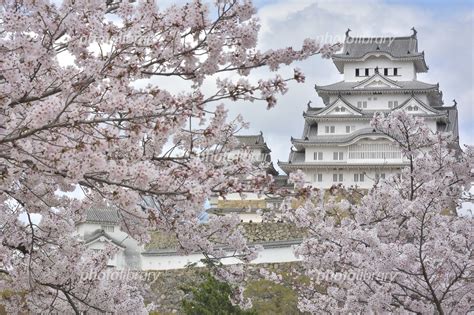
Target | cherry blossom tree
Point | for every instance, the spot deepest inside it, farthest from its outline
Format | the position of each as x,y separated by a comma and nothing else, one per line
402,248
83,107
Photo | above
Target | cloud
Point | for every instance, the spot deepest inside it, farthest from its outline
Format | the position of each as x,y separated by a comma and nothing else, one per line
444,33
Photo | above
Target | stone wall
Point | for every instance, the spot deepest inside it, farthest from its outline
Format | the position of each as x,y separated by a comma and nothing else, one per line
242,203
254,232
272,231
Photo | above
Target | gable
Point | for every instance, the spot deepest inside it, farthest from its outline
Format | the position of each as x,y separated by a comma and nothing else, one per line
101,242
340,108
377,81
414,106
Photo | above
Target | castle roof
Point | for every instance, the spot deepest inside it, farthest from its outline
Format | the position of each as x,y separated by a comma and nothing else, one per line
101,235
368,115
335,139
257,142
348,86
399,87
102,215
253,142
452,121
290,166
395,48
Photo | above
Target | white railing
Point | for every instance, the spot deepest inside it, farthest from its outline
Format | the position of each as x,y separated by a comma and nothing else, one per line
375,151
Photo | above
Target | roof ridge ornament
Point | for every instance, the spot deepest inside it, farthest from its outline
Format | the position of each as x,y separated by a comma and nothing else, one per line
414,32
455,103
347,32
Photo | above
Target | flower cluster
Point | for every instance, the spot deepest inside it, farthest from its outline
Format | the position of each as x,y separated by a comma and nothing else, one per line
407,227
82,109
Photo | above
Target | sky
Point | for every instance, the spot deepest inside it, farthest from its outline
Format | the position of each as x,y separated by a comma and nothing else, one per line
445,33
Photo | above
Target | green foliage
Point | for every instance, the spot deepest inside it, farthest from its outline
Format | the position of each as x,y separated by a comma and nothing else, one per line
269,298
211,297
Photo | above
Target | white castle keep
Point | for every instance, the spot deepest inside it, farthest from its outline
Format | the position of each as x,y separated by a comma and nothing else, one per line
338,144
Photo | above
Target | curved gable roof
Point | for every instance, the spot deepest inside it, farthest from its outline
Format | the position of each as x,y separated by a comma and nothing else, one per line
394,48
331,106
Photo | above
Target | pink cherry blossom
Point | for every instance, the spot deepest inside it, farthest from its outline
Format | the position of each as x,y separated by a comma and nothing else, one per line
80,107
403,248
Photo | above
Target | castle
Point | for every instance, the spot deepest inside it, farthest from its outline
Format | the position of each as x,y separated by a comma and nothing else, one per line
338,144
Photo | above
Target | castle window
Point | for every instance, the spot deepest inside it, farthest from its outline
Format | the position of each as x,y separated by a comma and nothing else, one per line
318,177
338,156
385,71
336,177
359,104
395,103
359,177
395,71
390,104
318,156
357,72
337,109
330,129
364,104
349,129
107,228
415,108
366,72
343,109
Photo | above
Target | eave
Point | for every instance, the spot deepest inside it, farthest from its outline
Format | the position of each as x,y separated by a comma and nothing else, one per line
289,167
311,118
418,58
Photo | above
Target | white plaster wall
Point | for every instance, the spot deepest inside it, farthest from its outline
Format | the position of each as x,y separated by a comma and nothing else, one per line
340,126
406,71
379,101
328,151
272,255
327,154
129,256
348,175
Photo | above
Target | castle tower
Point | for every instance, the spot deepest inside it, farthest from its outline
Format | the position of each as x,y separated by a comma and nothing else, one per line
379,75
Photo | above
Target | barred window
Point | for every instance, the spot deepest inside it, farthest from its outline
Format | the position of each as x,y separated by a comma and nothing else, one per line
107,228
